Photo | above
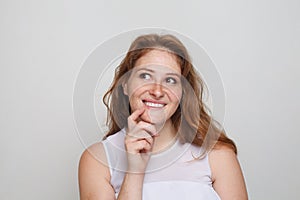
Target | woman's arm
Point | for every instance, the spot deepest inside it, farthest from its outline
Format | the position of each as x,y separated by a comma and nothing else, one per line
94,176
138,145
227,176
132,187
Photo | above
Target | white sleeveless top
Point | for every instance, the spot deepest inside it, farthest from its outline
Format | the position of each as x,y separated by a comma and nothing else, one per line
172,174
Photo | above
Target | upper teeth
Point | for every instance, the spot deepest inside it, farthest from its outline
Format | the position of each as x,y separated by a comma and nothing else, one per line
157,105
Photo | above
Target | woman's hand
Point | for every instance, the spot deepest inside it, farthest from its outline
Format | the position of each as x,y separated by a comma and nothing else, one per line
138,142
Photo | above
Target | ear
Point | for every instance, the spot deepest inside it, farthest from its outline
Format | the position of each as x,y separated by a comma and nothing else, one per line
125,89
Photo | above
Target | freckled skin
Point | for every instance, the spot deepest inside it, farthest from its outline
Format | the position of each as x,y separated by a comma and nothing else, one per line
156,86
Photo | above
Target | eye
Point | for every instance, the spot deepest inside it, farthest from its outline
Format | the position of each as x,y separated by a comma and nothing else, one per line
171,80
145,76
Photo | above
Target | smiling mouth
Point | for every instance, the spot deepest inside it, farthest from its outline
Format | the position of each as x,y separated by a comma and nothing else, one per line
153,105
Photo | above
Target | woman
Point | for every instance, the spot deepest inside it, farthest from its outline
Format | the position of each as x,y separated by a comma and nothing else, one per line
158,124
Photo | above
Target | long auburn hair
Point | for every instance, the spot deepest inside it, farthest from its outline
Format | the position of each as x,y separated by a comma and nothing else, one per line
192,118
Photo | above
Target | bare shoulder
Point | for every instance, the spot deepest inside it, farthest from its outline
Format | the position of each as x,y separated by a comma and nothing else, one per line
94,153
219,157
94,174
226,173
222,152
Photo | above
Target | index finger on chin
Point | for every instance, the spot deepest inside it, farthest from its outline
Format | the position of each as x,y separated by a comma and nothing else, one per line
132,119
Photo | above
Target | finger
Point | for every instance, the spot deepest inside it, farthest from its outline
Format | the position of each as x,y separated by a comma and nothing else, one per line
151,129
135,115
142,145
138,134
150,141
137,146
143,135
132,119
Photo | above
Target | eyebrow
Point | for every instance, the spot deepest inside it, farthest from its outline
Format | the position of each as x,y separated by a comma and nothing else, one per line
146,69
150,70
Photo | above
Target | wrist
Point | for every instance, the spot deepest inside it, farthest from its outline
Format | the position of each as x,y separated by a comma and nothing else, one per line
136,179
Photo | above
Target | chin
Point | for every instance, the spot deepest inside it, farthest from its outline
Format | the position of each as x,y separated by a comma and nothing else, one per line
154,116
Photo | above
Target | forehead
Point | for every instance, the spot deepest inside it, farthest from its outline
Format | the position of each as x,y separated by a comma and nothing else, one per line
159,58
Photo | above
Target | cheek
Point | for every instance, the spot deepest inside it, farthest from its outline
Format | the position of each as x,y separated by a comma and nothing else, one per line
179,96
135,92
175,95
134,99
136,88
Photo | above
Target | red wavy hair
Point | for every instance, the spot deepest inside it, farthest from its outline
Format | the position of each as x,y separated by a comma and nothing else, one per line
192,118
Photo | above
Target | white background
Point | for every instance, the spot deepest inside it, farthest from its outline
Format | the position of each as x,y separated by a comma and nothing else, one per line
254,44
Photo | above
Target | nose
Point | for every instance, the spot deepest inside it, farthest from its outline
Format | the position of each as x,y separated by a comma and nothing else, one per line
156,90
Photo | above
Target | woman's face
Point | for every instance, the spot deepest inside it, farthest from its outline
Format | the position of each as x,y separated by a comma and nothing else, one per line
155,85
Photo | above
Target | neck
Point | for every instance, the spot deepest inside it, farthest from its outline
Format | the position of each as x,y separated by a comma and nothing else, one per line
166,137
